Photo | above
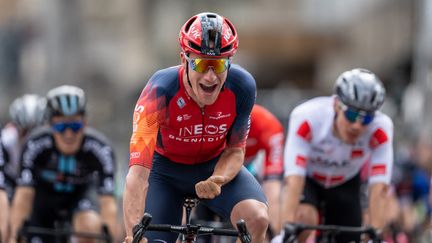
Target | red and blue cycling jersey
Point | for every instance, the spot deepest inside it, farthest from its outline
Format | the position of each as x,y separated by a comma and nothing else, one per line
167,120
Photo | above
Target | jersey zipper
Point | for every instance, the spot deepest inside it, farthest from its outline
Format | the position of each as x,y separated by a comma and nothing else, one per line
202,134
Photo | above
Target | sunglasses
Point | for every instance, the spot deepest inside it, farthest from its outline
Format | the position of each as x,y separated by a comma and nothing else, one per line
62,126
201,65
353,115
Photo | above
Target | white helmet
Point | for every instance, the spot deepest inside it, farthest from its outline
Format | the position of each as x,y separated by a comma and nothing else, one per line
28,111
66,100
361,89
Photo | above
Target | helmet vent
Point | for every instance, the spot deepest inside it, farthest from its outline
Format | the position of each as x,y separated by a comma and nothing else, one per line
188,24
373,97
225,49
194,46
355,92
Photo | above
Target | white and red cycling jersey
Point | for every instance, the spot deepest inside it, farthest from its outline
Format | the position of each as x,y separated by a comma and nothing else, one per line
312,149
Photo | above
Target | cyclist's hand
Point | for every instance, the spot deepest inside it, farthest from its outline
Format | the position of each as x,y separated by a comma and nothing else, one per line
209,188
128,239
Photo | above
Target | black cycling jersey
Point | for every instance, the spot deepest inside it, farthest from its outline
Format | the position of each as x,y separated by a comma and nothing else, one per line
46,169
2,163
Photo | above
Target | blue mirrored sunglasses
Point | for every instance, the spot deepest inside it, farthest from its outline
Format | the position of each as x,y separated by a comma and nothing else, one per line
353,115
62,126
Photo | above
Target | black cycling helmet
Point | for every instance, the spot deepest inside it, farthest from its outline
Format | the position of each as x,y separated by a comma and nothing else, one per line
360,89
66,100
28,111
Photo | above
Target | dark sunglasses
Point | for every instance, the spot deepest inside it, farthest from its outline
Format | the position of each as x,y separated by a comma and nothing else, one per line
201,65
62,126
353,115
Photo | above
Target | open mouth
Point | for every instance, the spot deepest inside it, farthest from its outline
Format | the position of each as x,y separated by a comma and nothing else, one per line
208,88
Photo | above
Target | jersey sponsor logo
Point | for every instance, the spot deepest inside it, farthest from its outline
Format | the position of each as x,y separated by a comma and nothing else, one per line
195,32
356,153
301,161
227,35
200,129
102,152
184,117
2,179
304,131
108,185
276,148
378,169
26,177
181,102
136,116
219,115
201,133
33,148
135,155
329,163
379,137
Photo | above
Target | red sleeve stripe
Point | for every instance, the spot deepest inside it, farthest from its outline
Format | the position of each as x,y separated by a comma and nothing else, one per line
304,131
378,169
301,161
356,154
379,137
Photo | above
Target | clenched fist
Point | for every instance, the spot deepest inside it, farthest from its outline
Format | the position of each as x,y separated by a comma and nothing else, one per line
209,188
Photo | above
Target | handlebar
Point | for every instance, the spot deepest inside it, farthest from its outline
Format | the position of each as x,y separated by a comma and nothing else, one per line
144,225
293,230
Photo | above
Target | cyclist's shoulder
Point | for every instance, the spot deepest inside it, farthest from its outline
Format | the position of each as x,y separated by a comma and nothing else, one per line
39,133
239,78
165,78
162,83
92,135
315,108
383,119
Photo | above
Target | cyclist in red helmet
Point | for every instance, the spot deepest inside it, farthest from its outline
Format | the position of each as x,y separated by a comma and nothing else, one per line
189,134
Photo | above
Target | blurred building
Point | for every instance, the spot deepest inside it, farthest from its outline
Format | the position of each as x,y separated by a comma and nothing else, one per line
295,50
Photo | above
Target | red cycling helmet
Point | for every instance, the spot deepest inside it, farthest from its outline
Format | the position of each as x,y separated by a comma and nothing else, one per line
209,34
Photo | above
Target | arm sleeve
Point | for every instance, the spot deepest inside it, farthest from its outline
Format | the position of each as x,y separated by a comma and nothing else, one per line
297,146
273,146
245,99
106,159
28,159
148,115
381,161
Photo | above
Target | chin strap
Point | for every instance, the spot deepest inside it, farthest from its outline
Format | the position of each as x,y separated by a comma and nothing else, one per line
187,73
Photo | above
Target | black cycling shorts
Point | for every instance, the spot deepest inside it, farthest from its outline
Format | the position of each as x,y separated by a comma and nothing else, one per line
170,183
338,205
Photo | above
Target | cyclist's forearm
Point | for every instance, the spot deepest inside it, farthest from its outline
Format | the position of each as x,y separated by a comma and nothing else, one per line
21,208
272,190
134,196
377,204
293,188
230,163
4,216
109,213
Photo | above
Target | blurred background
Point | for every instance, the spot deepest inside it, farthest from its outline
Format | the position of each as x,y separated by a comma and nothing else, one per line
295,49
